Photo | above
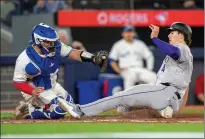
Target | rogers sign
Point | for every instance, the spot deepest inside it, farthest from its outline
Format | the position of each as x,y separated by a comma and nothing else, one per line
118,18
104,18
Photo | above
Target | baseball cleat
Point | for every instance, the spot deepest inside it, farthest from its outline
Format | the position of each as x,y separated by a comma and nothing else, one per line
21,110
73,109
122,109
167,112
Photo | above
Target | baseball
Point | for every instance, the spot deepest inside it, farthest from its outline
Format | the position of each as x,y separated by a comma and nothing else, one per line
103,57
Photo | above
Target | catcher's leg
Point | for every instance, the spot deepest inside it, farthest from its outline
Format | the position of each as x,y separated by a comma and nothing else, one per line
28,111
55,110
21,110
37,113
60,91
64,100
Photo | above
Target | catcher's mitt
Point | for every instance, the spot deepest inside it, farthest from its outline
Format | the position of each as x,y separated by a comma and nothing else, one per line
101,59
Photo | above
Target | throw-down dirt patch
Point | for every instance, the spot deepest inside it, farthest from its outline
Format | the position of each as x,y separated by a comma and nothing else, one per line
135,116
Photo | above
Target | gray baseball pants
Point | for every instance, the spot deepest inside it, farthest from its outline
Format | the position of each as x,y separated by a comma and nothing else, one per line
154,96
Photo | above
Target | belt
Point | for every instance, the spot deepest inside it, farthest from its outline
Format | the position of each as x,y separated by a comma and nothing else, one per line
176,93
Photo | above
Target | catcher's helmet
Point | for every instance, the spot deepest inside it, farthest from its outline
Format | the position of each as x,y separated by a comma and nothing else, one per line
183,28
42,33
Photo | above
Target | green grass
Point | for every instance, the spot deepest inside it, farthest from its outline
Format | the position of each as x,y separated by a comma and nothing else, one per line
48,128
191,111
96,127
6,115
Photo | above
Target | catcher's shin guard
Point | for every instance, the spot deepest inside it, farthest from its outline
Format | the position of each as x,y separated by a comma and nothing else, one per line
69,98
40,114
56,112
70,107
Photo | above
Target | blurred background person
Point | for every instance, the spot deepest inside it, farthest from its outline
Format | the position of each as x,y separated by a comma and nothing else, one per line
54,5
27,6
40,7
95,4
199,88
6,8
67,39
189,4
78,45
64,36
20,7
126,58
68,5
88,4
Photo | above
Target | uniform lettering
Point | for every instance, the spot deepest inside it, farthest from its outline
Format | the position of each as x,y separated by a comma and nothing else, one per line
163,68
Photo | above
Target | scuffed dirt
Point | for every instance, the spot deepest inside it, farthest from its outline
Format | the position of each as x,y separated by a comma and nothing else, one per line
135,116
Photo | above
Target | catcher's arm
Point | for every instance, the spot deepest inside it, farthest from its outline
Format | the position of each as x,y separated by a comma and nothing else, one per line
100,59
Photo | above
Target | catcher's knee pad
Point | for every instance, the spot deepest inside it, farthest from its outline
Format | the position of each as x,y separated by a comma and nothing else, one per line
55,101
40,114
69,98
56,112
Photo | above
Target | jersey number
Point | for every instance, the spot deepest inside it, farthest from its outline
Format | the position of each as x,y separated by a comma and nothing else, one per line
163,68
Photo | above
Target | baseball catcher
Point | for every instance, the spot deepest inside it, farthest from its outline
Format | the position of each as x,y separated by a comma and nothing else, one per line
36,72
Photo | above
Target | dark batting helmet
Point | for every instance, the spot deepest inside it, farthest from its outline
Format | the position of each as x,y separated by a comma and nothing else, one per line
184,29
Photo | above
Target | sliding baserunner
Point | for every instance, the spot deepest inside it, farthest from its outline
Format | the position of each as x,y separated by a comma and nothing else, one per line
173,79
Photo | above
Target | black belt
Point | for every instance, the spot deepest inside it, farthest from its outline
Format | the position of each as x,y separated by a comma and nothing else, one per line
166,84
176,93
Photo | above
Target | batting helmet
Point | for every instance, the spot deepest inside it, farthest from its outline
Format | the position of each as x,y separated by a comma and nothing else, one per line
184,29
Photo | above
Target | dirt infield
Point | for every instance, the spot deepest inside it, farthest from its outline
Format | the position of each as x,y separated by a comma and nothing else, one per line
136,116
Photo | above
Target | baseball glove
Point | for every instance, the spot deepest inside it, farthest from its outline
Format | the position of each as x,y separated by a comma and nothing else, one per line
101,59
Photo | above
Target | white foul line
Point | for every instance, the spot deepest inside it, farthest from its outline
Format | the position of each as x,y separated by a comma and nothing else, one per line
115,135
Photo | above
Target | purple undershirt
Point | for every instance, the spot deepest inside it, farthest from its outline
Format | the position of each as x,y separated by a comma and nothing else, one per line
167,48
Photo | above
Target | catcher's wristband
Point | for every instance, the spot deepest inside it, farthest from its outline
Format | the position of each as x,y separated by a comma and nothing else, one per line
86,56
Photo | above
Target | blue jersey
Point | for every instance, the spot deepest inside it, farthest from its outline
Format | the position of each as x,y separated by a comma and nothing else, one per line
40,69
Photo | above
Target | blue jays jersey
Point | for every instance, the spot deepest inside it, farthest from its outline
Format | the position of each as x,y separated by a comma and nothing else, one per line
40,69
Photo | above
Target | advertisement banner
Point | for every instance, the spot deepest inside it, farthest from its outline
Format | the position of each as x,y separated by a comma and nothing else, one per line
118,18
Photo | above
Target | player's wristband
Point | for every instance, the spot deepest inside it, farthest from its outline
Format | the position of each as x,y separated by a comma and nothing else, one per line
86,56
24,87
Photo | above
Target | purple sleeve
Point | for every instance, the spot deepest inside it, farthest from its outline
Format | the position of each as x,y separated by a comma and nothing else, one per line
167,48
110,60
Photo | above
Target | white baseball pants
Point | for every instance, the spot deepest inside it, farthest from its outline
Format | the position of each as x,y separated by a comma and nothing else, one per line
135,74
46,96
